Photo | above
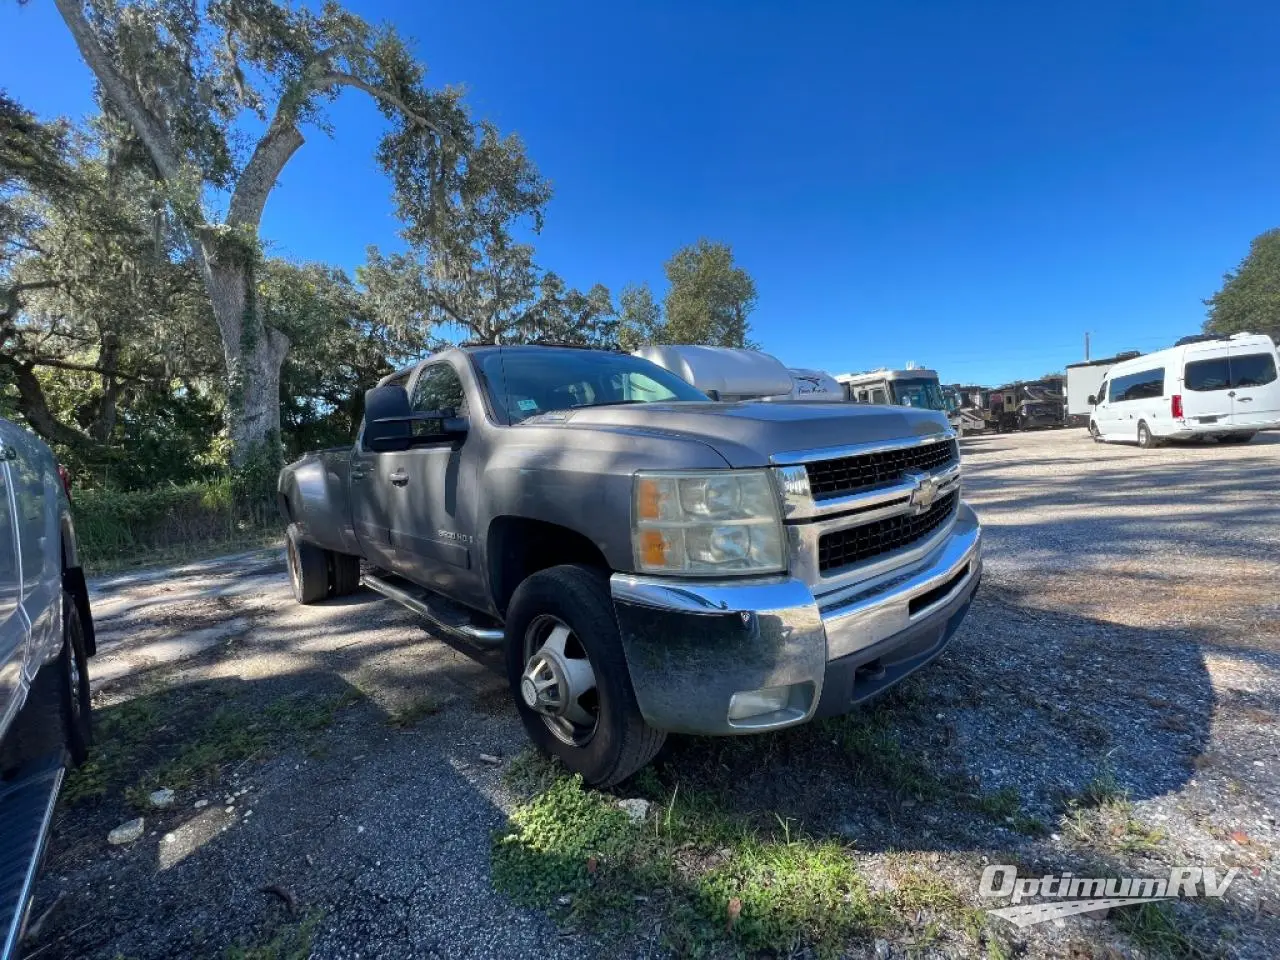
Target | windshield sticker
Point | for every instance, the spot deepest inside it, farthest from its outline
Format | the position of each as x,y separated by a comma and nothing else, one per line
527,405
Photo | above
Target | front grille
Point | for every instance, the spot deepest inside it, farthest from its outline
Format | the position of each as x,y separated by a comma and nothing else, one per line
845,475
844,548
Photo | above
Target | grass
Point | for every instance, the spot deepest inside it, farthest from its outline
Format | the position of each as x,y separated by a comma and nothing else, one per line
408,714
1102,816
97,564
183,738
292,941
706,880
1156,928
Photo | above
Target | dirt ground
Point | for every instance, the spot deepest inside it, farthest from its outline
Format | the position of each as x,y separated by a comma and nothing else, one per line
1110,706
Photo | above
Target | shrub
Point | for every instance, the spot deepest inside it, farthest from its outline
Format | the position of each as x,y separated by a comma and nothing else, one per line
115,526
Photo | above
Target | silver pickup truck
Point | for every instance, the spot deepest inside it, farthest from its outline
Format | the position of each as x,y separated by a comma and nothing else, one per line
650,560
46,634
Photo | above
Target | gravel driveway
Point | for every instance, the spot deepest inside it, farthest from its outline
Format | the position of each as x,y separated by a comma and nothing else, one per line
338,773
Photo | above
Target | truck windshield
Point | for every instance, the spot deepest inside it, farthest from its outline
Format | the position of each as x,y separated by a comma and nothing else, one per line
527,383
925,394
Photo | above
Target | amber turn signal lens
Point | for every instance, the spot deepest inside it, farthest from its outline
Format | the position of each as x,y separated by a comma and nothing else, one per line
648,499
653,548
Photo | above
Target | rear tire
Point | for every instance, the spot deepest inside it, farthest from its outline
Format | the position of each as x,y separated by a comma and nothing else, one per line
346,573
308,567
1145,440
620,743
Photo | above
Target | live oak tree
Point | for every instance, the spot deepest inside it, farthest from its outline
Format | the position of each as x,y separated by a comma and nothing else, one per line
95,299
1249,300
639,317
193,78
467,272
709,298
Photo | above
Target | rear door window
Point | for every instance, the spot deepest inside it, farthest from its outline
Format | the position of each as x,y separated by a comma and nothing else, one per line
1205,375
9,587
1253,370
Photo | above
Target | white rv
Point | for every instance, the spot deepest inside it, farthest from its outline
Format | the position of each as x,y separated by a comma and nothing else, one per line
904,388
1221,387
729,373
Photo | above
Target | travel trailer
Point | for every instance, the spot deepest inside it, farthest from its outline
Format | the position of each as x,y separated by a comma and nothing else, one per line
729,373
1203,387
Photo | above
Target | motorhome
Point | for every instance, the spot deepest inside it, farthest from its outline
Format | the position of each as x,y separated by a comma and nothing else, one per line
1203,387
730,373
905,388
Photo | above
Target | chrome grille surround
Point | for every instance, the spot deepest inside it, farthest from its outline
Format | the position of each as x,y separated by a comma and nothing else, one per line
807,518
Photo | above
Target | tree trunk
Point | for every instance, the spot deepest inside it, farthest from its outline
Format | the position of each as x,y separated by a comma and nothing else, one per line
254,354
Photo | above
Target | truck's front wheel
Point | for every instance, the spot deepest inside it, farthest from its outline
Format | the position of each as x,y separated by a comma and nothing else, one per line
569,676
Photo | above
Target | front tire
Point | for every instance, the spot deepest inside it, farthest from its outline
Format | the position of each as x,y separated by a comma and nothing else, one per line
1093,432
568,674
73,663
308,567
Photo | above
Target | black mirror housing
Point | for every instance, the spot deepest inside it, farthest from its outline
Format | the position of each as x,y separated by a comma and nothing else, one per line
1093,401
390,424
386,418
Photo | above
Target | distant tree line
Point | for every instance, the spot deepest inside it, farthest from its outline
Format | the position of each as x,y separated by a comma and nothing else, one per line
146,333
1249,300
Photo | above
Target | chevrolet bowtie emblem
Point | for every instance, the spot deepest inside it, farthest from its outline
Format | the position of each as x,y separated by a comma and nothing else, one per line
924,492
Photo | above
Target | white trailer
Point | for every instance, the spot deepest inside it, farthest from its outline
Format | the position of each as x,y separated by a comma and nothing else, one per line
731,374
1083,380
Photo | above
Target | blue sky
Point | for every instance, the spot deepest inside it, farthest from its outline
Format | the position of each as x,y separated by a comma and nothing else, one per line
970,186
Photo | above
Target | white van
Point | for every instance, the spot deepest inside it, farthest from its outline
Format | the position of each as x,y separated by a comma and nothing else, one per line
1222,387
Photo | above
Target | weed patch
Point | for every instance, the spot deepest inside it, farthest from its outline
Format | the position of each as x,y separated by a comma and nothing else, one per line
701,876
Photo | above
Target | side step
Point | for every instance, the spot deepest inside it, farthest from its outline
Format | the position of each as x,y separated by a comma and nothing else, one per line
26,811
444,616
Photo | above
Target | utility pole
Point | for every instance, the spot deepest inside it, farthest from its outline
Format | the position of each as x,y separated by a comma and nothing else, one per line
1086,346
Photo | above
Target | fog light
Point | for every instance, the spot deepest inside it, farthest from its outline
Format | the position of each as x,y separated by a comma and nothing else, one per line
756,703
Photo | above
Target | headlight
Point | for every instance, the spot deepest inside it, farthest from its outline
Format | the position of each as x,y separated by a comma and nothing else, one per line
724,521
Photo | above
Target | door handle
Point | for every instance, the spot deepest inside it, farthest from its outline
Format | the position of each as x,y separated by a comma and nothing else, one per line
357,474
1244,399
400,478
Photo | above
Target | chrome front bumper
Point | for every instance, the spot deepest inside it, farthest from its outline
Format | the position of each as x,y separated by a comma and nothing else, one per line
691,645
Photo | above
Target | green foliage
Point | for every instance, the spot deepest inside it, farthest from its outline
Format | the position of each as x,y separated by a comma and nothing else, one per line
711,882
115,526
1249,300
639,318
466,272
710,298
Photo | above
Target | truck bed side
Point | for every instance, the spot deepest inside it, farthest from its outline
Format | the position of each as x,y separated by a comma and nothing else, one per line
315,493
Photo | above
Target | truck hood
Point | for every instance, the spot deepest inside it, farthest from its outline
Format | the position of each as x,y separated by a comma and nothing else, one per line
751,434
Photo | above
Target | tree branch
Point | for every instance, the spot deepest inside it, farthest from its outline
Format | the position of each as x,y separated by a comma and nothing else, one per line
83,368
273,151
337,78
149,128
35,409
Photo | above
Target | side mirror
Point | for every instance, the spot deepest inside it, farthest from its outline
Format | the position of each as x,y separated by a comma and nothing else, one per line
1093,401
389,423
714,395
386,418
